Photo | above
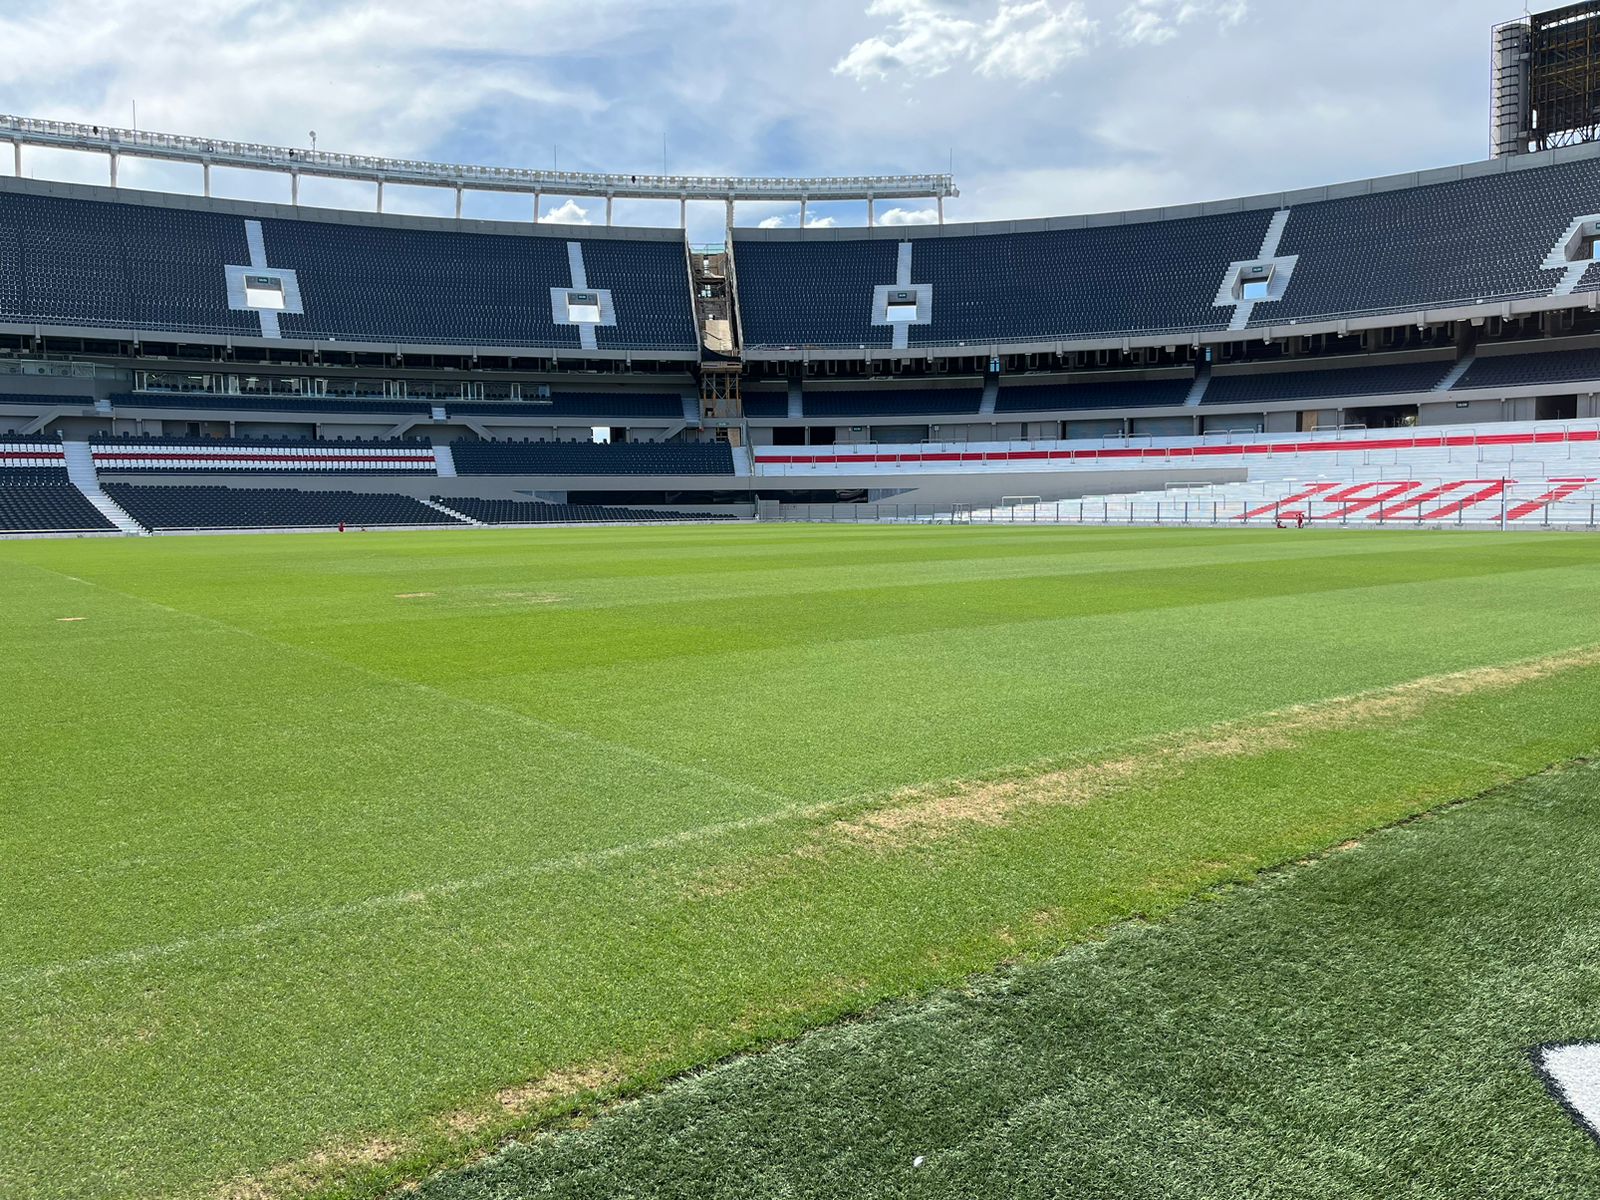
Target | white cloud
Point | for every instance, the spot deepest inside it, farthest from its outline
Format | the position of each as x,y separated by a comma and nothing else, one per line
909,216
773,223
568,213
821,222
1153,22
1028,41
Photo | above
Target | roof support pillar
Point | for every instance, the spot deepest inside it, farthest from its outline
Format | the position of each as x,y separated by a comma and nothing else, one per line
205,179
730,212
16,155
941,209
294,188
114,157
458,202
683,212
537,198
872,213
609,199
380,195
802,212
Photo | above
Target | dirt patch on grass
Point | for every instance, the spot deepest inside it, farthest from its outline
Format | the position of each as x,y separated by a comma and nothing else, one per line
927,813
497,1115
312,1172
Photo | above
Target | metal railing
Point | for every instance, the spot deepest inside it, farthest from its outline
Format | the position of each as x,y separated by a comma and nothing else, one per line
1578,511
174,147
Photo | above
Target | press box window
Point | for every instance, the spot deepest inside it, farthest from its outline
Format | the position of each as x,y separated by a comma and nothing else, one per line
263,291
583,308
1586,246
902,307
1255,282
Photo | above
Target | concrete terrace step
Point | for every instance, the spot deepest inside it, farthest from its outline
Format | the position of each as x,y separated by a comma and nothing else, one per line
80,470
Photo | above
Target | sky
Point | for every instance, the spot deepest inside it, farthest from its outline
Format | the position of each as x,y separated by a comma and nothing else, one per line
1044,107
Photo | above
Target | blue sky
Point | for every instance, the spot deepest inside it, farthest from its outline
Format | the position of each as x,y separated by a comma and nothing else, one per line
1047,106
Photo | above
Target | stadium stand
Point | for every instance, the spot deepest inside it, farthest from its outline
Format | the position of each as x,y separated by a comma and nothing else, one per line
1527,370
1462,241
893,402
1041,397
202,507
36,495
99,264
1282,386
1459,242
529,512
592,458
813,292
766,405
167,455
31,502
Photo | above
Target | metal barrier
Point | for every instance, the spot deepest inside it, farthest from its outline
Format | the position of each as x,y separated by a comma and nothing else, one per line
1477,509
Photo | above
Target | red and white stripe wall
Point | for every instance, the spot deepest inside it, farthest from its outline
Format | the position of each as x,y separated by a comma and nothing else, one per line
1336,451
313,458
30,455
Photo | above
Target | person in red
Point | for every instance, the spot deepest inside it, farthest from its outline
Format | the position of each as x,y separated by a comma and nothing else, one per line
341,526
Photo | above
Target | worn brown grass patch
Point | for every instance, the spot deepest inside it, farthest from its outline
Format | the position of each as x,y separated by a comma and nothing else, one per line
335,1161
926,813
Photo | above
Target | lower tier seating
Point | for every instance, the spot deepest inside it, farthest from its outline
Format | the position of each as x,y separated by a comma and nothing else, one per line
267,508
526,512
592,458
31,505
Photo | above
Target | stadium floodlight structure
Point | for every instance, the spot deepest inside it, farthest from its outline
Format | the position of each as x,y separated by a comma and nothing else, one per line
1545,71
461,178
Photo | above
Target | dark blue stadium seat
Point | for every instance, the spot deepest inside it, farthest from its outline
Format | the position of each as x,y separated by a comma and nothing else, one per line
1553,367
198,507
1280,386
1021,396
526,512
892,402
100,263
592,458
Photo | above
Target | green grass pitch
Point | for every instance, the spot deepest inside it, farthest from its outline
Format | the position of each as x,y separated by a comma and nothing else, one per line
331,860
1352,1028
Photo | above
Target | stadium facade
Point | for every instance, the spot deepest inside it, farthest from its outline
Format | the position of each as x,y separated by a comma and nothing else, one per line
1350,334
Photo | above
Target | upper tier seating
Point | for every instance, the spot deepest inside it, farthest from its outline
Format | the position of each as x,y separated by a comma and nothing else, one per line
199,507
1529,370
1447,243
526,512
1040,397
892,402
592,458
99,263
1456,242
1315,385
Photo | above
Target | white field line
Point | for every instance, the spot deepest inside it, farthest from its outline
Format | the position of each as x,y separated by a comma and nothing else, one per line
557,731
579,860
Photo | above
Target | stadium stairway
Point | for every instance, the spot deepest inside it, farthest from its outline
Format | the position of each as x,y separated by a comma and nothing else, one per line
444,462
80,470
448,511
